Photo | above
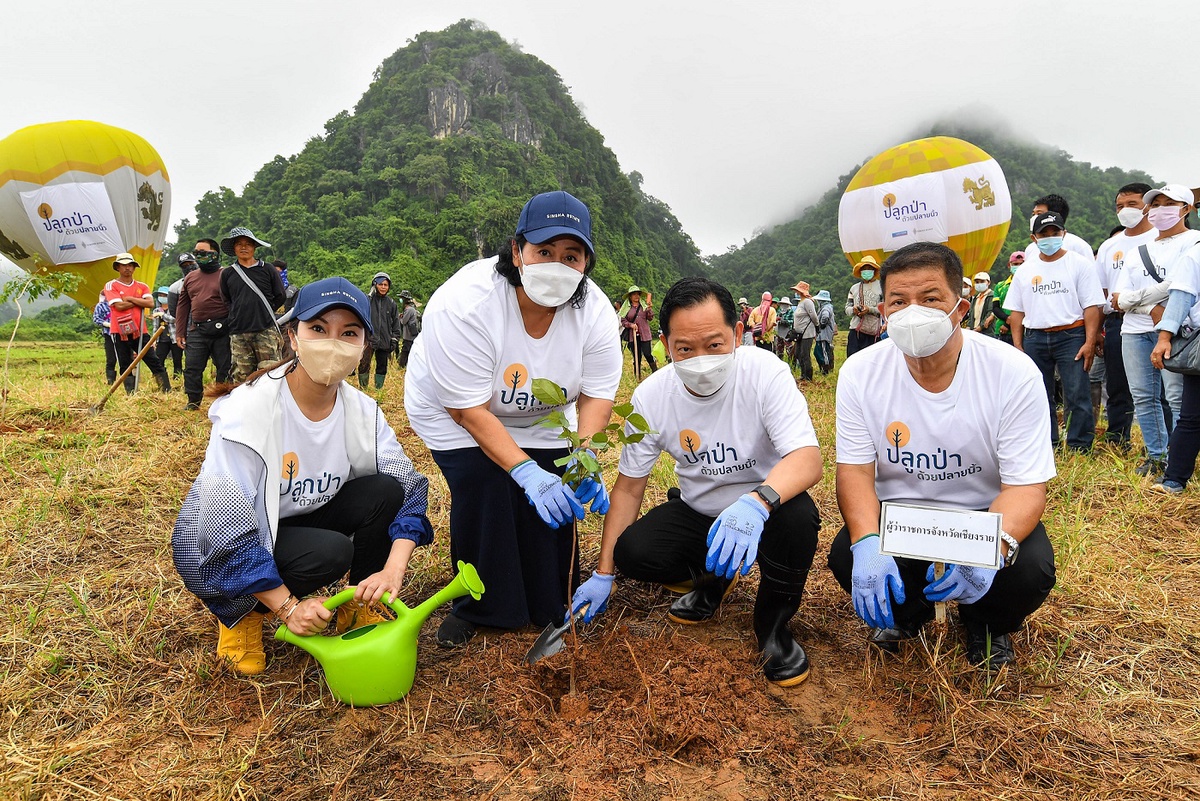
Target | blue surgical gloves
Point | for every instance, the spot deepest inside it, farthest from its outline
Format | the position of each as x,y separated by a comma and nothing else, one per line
594,594
961,583
873,578
733,537
591,490
553,500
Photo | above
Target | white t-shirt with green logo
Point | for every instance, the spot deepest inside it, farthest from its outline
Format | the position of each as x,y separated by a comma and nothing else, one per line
315,462
951,448
474,350
723,445
1054,293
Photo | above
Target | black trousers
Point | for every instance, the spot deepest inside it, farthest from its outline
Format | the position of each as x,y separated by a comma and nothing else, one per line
381,361
405,349
350,533
856,342
524,564
804,357
128,348
110,358
200,348
1185,437
643,352
669,544
1120,401
1016,592
167,347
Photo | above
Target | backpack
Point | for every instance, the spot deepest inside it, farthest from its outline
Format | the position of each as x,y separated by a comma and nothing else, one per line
414,327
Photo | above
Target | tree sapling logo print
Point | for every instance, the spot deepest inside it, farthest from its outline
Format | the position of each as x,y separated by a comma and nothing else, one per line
898,438
889,200
718,460
690,441
45,211
1040,286
306,491
513,392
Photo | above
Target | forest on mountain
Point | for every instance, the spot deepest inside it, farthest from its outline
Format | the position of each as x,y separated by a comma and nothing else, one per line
430,171
807,248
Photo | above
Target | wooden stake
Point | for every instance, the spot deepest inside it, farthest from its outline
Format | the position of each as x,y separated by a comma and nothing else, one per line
939,607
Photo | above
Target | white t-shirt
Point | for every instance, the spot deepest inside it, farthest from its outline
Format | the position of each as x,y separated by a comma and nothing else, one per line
1185,276
952,448
315,462
1164,253
1072,242
1054,293
1112,256
723,445
474,350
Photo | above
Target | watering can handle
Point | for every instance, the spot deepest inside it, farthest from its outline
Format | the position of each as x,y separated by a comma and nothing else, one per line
347,594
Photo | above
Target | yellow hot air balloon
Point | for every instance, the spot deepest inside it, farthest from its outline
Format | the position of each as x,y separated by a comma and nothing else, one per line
74,194
938,189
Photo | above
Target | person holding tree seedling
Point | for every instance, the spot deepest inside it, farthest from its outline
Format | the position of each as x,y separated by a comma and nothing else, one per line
303,481
497,325
745,455
941,416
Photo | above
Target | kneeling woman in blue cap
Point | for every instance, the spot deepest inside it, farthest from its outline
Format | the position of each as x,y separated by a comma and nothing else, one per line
496,325
303,480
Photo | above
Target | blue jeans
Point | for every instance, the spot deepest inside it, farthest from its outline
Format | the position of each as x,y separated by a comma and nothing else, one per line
1145,385
1050,349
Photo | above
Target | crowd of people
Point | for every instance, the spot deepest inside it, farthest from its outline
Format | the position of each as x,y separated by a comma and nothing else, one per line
936,405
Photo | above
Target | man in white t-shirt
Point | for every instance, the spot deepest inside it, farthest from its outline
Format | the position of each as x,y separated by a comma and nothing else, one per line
1054,312
1143,284
1110,259
745,456
939,416
1058,205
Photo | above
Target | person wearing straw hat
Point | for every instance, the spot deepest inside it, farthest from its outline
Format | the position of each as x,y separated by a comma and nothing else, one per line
303,482
979,318
253,291
862,307
530,312
826,330
128,300
784,347
937,392
635,319
805,324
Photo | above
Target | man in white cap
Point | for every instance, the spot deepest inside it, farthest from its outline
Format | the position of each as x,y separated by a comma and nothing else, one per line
129,300
979,317
253,290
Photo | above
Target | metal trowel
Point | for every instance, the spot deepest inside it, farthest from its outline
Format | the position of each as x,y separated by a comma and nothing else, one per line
550,641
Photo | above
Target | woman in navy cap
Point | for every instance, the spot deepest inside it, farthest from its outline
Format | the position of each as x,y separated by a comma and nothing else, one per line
529,312
303,481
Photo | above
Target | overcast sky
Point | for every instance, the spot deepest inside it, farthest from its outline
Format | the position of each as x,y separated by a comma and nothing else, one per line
736,114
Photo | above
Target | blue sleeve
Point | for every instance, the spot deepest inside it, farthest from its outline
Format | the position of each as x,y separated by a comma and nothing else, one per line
1179,305
411,522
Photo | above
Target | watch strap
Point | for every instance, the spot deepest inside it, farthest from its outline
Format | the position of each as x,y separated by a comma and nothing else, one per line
769,495
1013,547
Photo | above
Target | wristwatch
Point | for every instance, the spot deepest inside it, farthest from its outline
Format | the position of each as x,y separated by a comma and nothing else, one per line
770,496
1013,547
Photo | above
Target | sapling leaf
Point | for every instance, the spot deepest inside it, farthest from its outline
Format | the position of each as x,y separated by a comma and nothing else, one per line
589,462
623,409
600,439
548,393
632,438
638,422
564,460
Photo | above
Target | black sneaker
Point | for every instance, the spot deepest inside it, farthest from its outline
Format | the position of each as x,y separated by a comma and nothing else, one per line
889,639
455,632
987,650
192,406
1151,467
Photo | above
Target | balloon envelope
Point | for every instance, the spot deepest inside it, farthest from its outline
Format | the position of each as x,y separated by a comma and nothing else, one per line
938,189
74,194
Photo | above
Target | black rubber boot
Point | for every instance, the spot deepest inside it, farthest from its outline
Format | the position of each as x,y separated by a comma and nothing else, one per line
164,382
703,601
111,375
779,592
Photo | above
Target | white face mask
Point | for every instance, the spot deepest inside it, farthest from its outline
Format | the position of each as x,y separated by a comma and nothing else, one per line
980,286
704,375
549,284
328,361
1130,217
966,291
920,331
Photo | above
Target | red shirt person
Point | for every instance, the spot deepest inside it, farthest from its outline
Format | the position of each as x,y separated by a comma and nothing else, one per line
128,299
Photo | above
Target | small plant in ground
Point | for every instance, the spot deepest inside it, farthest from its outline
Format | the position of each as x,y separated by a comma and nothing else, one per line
583,460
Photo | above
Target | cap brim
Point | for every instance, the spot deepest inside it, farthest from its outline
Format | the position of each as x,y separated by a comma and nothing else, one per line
542,235
317,310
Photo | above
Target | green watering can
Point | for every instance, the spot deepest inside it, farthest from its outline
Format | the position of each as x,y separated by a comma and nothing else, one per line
376,664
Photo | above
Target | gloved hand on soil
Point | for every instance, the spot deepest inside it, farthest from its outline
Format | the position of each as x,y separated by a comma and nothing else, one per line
873,575
553,500
961,583
594,592
733,537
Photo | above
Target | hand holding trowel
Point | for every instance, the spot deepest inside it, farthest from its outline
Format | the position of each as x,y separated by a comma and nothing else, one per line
590,600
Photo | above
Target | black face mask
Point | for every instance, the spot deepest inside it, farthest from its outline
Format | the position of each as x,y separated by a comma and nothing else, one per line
209,261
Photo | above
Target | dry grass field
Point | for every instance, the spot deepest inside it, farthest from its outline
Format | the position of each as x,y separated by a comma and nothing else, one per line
110,689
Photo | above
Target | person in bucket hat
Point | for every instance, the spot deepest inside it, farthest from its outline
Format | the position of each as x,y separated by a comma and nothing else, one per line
635,327
254,291
862,306
349,499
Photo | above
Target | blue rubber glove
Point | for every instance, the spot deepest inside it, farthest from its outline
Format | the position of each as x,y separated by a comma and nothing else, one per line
594,593
591,490
873,575
553,500
961,583
733,537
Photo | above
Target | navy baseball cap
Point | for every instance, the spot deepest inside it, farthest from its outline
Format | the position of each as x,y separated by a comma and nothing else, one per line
330,293
552,214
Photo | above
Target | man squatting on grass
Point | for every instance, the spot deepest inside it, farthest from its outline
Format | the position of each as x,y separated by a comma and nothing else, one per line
746,453
933,388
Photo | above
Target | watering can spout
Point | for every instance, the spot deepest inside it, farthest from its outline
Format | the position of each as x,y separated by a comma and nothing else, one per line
467,582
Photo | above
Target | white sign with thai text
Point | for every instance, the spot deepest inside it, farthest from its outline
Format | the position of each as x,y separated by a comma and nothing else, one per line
934,534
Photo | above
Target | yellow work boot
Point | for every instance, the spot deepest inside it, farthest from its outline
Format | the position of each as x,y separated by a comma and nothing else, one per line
242,645
354,615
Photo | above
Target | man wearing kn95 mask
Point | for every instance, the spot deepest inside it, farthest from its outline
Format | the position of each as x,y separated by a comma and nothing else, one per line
745,456
941,416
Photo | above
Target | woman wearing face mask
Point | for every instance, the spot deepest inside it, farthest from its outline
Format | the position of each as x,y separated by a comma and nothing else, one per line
1140,291
348,497
489,331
